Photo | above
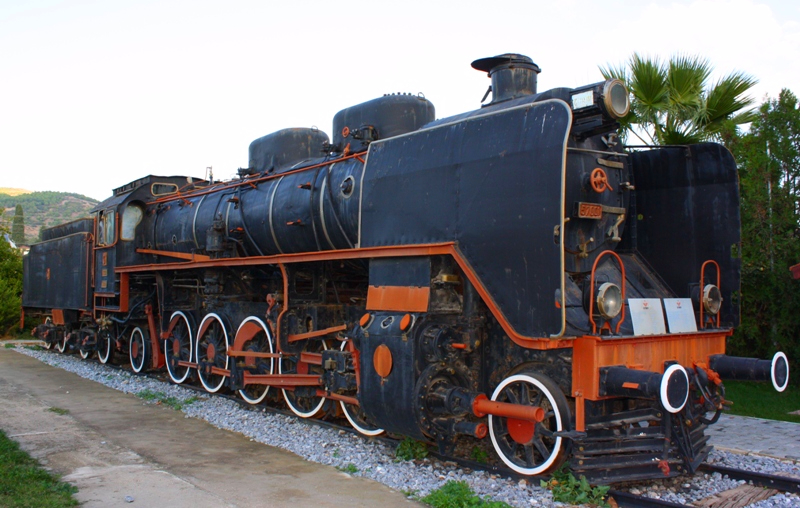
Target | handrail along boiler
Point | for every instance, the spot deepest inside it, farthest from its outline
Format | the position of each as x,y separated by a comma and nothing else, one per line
511,272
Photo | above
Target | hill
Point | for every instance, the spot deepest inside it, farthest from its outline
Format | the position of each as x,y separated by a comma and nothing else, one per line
44,209
12,191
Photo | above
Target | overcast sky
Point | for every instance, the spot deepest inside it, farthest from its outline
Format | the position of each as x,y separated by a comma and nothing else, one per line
94,94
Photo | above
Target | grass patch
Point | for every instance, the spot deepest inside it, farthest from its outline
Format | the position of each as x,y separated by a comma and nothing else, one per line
479,455
568,489
410,449
458,495
762,401
161,398
23,483
9,345
58,410
350,468
34,348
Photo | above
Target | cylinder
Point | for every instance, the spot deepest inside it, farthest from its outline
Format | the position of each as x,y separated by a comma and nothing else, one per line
671,387
753,369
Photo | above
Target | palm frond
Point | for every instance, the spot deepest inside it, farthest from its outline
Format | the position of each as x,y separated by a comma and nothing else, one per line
686,78
726,98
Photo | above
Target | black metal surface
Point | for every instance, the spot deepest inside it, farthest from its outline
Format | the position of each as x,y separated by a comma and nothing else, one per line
411,272
748,369
687,200
56,273
390,115
282,149
489,184
85,225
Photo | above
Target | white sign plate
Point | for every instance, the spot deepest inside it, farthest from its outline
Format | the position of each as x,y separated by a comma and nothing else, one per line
583,100
680,315
647,316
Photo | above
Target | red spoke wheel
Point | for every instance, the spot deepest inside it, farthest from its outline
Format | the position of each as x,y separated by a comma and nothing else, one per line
355,415
84,350
255,337
139,349
178,347
212,351
300,400
527,447
49,322
62,342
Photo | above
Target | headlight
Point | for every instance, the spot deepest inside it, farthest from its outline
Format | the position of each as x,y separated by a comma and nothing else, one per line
615,98
712,299
609,300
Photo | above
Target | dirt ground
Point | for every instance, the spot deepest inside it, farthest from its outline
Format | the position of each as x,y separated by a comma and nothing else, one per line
112,447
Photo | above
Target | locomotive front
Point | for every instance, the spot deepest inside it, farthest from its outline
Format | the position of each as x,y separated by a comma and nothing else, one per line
514,272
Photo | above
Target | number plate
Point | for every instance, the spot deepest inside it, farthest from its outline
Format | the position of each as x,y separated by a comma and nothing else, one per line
590,211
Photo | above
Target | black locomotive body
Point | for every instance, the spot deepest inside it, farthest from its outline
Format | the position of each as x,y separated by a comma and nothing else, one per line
512,272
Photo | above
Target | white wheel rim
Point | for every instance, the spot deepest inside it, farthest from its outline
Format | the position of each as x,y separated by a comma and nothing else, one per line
300,412
84,354
61,345
359,428
775,358
264,327
106,351
665,383
167,353
136,368
209,388
559,425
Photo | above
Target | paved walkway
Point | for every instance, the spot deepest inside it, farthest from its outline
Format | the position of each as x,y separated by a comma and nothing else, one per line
755,435
112,446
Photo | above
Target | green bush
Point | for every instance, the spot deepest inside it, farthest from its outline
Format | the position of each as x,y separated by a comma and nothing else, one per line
458,495
411,449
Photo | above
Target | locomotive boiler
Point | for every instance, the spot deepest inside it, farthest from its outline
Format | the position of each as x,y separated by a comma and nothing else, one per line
513,273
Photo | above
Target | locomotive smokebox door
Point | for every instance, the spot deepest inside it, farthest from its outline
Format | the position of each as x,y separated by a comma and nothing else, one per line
493,183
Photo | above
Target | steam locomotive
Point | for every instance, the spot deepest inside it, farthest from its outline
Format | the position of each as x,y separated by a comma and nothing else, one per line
513,272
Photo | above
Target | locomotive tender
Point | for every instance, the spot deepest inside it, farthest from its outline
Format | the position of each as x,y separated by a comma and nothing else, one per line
512,272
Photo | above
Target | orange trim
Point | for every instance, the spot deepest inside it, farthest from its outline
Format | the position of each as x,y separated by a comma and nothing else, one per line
482,406
630,386
124,288
541,343
398,298
591,290
220,372
183,363
316,333
280,379
189,256
251,354
251,182
335,396
157,356
382,361
702,287
21,318
58,317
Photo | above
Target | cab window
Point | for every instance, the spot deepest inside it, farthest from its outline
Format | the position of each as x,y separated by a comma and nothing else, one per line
163,189
106,227
131,217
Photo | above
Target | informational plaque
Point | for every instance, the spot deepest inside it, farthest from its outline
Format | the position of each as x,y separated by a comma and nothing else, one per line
680,315
647,316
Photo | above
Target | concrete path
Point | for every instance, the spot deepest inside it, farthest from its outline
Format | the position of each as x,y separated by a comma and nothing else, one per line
111,446
755,435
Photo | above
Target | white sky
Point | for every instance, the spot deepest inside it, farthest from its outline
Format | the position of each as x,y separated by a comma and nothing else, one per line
94,94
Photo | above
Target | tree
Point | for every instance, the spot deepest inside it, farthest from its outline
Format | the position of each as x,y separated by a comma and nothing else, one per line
10,282
673,103
769,174
18,227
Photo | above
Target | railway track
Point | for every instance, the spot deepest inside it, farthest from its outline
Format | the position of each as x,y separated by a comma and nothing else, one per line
621,498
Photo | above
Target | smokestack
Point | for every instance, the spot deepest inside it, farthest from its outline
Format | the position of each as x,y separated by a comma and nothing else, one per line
512,75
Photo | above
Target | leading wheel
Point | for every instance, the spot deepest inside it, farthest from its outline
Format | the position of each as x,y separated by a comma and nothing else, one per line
255,337
178,347
526,447
85,353
212,351
138,349
355,415
300,400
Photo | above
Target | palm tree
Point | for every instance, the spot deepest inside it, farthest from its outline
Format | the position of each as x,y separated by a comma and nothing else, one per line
673,102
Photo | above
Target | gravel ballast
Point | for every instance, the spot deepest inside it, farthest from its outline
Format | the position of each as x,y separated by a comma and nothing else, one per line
376,460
